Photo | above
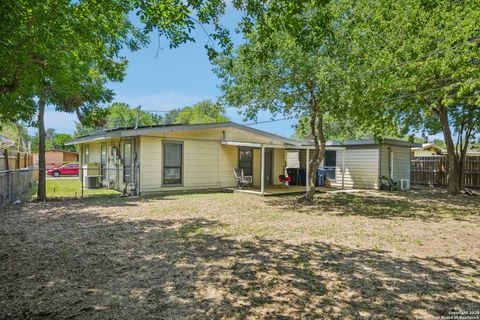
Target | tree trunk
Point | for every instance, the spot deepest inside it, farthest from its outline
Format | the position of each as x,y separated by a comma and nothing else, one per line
319,139
42,182
454,179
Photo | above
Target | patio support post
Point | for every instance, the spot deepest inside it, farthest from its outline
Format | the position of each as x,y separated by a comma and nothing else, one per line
307,162
262,171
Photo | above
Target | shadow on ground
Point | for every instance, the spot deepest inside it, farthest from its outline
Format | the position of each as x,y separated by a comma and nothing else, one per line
86,266
422,205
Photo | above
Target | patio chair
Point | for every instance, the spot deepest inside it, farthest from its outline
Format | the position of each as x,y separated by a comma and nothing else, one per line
284,180
242,180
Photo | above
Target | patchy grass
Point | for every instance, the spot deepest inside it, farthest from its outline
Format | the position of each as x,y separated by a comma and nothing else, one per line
71,187
364,255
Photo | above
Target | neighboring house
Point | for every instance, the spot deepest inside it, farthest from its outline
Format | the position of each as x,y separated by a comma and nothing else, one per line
5,142
429,149
203,156
426,150
55,158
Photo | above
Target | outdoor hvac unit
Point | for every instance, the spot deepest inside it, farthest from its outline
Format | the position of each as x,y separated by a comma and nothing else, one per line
404,184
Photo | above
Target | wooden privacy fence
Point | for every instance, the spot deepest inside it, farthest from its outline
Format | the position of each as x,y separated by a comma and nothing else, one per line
16,160
432,171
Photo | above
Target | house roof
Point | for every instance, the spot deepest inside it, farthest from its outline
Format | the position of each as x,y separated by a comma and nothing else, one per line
5,142
368,142
64,151
146,130
425,146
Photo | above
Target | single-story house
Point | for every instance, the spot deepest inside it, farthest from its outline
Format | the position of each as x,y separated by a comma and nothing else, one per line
426,150
430,149
202,156
6,142
54,158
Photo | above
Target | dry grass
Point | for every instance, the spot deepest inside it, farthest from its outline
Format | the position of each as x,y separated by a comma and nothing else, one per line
366,255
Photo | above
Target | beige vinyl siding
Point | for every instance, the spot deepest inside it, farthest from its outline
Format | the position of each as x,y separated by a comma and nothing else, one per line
384,161
361,168
206,164
424,153
150,164
401,161
278,165
339,178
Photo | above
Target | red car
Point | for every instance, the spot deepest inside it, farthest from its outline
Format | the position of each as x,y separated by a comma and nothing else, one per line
70,169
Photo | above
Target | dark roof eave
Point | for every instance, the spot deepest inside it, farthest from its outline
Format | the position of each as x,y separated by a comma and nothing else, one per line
128,132
368,142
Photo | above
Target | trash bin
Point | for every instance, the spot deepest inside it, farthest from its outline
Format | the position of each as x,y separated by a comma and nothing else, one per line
303,176
321,177
292,172
299,176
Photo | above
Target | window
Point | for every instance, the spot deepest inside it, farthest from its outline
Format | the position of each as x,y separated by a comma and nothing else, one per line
330,158
330,163
127,162
245,161
172,163
86,155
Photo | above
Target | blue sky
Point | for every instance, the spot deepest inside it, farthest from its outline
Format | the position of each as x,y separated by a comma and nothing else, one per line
171,78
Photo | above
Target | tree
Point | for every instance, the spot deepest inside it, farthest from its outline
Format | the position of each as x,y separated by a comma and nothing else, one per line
204,111
417,62
335,130
53,140
18,133
287,66
117,115
63,53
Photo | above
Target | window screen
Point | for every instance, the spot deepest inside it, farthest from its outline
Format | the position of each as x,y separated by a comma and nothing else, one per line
127,162
330,164
172,163
245,161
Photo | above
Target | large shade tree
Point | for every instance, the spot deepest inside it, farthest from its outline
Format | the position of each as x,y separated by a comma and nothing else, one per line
63,53
418,62
289,65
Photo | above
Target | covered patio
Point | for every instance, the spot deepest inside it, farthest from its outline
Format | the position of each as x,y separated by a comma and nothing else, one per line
268,171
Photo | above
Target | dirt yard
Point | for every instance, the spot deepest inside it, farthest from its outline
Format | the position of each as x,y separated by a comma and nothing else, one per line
201,256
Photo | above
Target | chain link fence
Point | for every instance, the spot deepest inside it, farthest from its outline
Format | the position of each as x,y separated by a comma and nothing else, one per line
15,185
67,182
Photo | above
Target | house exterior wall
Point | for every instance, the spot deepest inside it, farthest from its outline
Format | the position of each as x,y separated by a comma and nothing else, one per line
56,158
361,168
424,153
206,164
399,161
70,157
278,165
53,159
